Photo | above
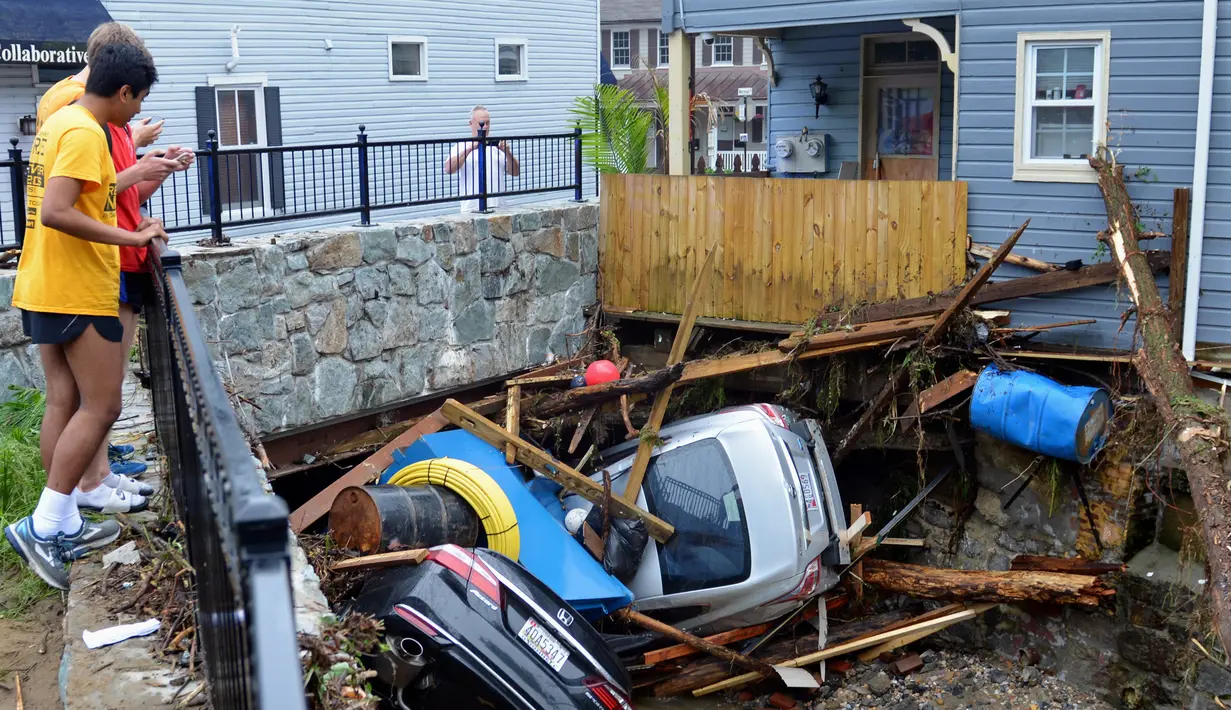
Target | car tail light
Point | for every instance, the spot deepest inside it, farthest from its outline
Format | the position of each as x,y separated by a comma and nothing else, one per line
463,562
774,414
807,586
607,695
419,621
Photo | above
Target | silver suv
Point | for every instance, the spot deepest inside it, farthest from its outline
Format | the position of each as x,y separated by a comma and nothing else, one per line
757,529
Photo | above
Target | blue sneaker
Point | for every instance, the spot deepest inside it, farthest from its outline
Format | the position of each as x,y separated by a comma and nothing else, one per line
132,469
49,558
120,451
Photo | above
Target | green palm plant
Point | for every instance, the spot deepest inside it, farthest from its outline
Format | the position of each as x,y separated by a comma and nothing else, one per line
615,130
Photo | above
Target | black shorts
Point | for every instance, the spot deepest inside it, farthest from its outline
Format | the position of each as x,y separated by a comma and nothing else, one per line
61,328
136,290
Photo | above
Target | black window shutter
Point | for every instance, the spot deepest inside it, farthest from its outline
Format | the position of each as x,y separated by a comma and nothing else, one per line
707,54
634,49
737,51
273,136
651,48
756,53
207,120
607,45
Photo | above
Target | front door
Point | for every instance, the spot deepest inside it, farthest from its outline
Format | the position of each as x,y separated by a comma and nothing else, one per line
901,118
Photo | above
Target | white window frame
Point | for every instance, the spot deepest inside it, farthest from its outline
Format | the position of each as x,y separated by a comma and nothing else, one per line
422,42
256,82
714,56
525,58
664,50
628,35
1025,168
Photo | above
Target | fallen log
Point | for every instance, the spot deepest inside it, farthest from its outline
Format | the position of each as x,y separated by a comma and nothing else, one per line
1073,565
700,644
983,586
1200,430
1055,282
725,638
901,374
559,403
1017,259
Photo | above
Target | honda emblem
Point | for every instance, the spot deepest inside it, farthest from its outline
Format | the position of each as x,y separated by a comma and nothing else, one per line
564,617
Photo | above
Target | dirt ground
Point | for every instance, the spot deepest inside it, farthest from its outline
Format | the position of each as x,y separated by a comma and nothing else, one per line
31,646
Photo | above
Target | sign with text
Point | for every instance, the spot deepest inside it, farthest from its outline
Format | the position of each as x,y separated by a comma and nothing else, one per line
52,53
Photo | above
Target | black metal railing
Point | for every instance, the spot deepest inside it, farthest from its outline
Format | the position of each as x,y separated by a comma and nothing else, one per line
13,221
237,533
233,187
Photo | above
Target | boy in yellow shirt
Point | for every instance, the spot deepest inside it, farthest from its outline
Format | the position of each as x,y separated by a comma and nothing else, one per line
67,288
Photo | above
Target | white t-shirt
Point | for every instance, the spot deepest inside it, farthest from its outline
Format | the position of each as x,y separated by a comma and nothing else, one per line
468,176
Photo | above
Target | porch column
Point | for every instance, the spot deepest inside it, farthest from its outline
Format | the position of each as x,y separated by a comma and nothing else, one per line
679,80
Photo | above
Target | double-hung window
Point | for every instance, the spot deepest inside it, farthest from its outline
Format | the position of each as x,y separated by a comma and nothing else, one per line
664,49
1061,116
724,51
621,50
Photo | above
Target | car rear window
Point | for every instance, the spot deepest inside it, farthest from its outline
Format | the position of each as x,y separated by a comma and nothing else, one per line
694,488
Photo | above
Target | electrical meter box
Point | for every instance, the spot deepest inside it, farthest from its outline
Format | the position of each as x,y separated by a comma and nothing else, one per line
802,154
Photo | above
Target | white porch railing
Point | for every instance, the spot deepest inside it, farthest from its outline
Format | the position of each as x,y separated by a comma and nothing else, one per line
748,161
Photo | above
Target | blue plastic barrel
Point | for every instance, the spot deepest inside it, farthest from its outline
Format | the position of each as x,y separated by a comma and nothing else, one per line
1040,414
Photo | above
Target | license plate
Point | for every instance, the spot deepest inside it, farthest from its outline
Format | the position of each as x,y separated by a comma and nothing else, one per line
543,643
805,483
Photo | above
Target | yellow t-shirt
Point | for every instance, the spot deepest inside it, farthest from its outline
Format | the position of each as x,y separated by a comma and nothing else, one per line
65,92
59,273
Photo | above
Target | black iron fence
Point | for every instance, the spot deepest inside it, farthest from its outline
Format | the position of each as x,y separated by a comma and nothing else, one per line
237,534
240,186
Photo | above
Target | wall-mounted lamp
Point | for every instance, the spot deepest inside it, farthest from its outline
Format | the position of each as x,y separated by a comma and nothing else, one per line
27,125
820,94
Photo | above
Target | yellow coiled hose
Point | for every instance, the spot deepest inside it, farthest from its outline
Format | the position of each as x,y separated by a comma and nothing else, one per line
475,487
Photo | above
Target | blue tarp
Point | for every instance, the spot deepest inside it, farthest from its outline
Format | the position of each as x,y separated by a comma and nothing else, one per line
547,550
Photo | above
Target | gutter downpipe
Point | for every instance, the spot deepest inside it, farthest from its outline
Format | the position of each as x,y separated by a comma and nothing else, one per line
1205,102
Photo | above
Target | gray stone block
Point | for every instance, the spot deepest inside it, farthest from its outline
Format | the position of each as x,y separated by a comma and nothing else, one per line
549,240
246,330
201,278
445,255
588,216
432,283
482,229
493,286
562,345
377,311
272,415
413,250
334,387
300,410
371,282
316,315
589,251
344,278
280,304
572,246
527,222
495,255
1213,678
501,226
10,329
354,309
271,265
332,336
465,239
521,275
401,280
11,374
454,367
303,354
378,244
208,317
33,366
553,275
365,341
513,310
296,320
6,290
239,286
297,261
537,344
339,251
402,326
549,309
304,288
467,283
477,322
412,371
434,324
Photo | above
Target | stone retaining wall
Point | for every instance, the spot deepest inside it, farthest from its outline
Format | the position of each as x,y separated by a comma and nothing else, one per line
318,325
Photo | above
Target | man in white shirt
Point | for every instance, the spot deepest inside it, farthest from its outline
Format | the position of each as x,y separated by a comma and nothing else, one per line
464,160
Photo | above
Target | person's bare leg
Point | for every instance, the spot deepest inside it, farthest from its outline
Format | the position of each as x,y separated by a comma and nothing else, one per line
62,399
100,467
95,365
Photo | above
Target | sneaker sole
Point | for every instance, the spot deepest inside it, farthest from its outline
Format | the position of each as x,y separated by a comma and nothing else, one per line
134,509
15,541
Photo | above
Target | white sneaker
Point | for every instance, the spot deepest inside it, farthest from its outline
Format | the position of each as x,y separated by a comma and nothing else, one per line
108,501
128,484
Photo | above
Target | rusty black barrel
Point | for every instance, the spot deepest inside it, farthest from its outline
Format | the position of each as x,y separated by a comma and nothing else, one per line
374,519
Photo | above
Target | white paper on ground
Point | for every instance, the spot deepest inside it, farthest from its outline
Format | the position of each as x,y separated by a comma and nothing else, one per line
116,634
126,555
796,677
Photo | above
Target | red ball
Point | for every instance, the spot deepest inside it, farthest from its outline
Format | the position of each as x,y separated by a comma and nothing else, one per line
601,371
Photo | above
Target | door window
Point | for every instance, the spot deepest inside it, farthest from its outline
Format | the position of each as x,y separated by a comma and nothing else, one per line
905,121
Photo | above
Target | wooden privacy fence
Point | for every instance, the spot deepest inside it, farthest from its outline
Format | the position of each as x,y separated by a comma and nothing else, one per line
787,248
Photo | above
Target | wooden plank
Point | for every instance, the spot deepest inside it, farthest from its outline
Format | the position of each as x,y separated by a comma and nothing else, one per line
703,321
658,411
941,392
381,561
546,381
845,648
1074,357
370,468
465,418
719,367
512,421
1049,326
1054,282
1178,275
859,522
684,650
858,333
986,252
867,545
876,651
700,644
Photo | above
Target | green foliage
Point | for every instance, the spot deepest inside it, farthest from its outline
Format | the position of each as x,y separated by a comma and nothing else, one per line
615,134
829,392
333,674
21,482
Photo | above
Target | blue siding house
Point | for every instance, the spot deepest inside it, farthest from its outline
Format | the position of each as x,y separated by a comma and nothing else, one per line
1010,97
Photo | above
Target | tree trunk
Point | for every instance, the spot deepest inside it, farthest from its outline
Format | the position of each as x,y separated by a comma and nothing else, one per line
1075,565
583,397
1199,429
978,585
